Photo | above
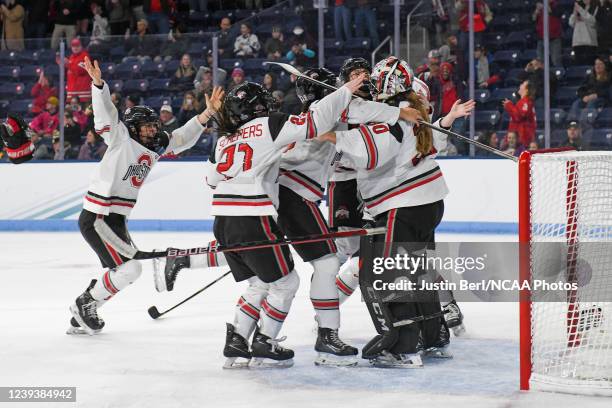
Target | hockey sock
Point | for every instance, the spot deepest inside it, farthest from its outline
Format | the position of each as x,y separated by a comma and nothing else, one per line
346,246
277,304
323,291
248,306
115,280
208,260
348,279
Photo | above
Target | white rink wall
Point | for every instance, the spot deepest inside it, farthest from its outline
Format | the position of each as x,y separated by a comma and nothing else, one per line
47,196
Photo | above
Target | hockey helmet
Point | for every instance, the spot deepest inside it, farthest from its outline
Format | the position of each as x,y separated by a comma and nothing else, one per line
246,102
392,76
308,91
352,64
140,115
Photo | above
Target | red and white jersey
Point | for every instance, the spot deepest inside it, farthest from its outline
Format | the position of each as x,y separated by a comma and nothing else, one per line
360,111
245,166
117,180
390,172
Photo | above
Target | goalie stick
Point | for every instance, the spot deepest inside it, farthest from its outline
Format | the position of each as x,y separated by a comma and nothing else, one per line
292,70
247,246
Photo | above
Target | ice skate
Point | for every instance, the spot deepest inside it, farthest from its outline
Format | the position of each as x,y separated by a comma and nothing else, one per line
332,351
267,353
165,273
85,311
454,318
387,359
76,329
236,349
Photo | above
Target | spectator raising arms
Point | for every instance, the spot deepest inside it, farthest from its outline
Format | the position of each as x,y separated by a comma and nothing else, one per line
184,76
41,92
594,91
99,31
246,44
451,89
300,55
45,123
275,47
12,15
584,38
93,148
522,115
78,82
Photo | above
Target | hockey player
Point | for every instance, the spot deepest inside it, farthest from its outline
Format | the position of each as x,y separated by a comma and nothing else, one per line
403,188
134,146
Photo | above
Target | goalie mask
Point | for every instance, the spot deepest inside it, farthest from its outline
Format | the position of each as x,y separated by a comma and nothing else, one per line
246,102
308,91
353,64
138,116
392,77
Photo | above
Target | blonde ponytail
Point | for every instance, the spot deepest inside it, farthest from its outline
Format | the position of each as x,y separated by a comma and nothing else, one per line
423,133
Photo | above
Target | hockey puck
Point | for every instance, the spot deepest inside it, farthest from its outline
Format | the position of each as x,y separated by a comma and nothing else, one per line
153,312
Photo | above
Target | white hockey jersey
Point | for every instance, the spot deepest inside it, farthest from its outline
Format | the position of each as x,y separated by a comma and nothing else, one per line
390,172
117,180
245,166
307,167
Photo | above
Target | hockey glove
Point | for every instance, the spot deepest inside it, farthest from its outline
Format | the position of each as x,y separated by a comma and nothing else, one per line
16,137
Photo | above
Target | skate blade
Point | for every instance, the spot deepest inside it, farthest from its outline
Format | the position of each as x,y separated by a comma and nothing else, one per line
77,317
236,363
395,366
258,363
79,331
459,331
331,360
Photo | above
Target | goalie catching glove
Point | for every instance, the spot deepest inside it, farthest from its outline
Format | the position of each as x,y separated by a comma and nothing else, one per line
15,134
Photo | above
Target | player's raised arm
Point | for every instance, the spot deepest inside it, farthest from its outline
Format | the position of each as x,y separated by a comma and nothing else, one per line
106,117
186,136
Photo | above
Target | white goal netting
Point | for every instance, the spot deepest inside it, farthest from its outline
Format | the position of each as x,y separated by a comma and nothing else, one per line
571,241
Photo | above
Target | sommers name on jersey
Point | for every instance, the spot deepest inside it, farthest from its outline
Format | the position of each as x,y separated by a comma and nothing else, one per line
245,169
117,180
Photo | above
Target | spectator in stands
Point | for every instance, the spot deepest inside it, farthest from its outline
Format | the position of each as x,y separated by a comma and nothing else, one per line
511,144
42,151
226,42
189,108
78,114
184,76
72,131
451,88
66,14
57,154
46,122
555,30
131,101
275,47
78,82
594,91
140,45
176,45
12,15
431,76
38,18
237,78
117,101
533,146
168,121
93,148
534,73
301,36
481,65
137,11
118,16
98,43
448,51
269,82
291,103
158,15
522,114
89,115
203,85
365,16
482,17
490,139
584,38
342,20
300,55
574,137
246,44
604,28
41,91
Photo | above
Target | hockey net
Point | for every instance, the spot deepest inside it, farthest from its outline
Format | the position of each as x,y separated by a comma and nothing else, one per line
565,229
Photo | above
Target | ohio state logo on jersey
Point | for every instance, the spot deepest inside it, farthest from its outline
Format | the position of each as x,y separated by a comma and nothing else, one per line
138,172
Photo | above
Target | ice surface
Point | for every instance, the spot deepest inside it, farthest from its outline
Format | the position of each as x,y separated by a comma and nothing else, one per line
176,361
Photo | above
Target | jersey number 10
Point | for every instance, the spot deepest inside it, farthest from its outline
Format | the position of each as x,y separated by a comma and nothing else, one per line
229,154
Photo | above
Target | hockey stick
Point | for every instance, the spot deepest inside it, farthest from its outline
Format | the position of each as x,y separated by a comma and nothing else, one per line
292,70
247,246
406,322
154,313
